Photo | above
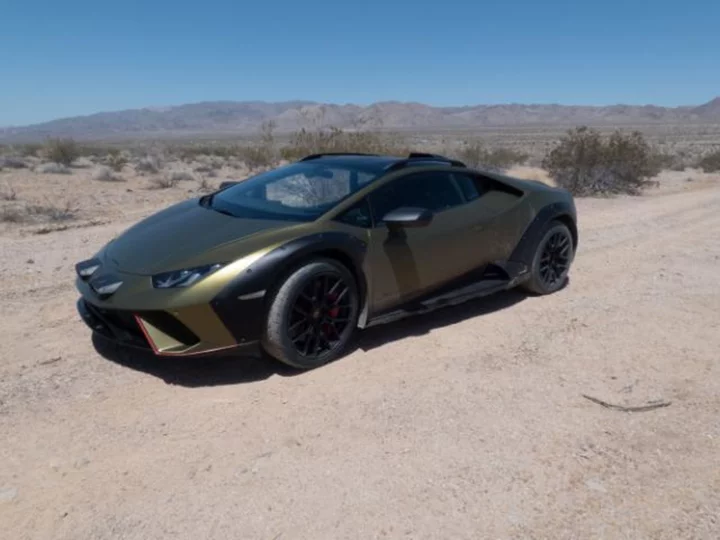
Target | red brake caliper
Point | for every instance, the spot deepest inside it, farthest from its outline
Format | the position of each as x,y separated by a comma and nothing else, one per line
332,313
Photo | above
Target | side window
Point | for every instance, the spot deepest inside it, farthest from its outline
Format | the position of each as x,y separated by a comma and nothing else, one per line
358,215
472,186
432,190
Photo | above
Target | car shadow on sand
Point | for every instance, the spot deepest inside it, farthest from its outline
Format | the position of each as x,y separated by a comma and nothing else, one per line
228,369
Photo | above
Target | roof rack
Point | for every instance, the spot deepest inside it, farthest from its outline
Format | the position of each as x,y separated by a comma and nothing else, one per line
324,154
418,157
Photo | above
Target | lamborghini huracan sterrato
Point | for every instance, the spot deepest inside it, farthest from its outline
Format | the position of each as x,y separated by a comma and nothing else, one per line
293,261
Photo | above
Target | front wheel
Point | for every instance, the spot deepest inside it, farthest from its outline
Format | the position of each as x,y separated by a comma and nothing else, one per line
312,315
552,259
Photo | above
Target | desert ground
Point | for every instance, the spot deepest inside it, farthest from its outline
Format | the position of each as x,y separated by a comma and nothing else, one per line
466,423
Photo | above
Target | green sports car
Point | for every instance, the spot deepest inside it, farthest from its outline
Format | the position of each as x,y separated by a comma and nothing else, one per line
293,261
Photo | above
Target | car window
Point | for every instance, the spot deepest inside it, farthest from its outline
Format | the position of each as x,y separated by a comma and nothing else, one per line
358,215
472,187
436,191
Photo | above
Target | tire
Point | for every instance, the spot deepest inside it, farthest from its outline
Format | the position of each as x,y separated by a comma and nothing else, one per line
306,335
549,276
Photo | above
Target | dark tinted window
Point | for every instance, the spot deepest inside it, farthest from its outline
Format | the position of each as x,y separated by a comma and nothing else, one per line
358,215
432,190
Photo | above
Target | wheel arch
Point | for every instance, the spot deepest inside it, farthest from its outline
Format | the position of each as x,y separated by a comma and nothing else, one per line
241,303
560,211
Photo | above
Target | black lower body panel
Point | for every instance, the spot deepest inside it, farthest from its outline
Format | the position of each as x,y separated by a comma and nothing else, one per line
115,325
475,284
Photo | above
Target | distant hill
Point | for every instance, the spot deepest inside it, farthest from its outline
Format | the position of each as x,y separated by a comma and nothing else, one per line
245,117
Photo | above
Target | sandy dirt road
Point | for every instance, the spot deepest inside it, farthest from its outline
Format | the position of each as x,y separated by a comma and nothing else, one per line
468,423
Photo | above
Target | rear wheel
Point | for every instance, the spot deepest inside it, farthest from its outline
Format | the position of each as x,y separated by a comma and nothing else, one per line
552,259
312,315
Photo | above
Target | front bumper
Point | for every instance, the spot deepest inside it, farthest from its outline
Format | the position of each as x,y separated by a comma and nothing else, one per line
157,332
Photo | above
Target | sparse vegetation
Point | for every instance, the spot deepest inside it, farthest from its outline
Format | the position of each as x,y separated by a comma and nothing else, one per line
116,160
29,213
62,151
305,142
586,163
52,168
8,194
476,154
149,164
12,163
166,181
710,163
105,174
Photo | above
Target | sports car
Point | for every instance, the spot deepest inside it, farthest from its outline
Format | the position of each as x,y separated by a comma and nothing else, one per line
295,261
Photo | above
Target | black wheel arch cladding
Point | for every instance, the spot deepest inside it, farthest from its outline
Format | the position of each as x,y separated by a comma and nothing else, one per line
560,211
245,318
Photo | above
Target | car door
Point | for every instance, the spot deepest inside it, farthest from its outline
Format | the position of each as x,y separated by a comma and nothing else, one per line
407,263
495,218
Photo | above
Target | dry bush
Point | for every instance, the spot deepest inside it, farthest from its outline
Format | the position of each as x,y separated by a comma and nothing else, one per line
52,168
710,163
8,194
205,185
12,163
62,151
82,163
105,174
586,163
525,172
305,142
116,160
264,154
475,154
180,176
32,213
149,164
12,214
165,181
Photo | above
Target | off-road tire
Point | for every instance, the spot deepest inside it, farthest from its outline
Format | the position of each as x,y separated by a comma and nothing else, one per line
276,340
538,283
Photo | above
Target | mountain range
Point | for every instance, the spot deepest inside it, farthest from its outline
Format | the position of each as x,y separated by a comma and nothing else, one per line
245,118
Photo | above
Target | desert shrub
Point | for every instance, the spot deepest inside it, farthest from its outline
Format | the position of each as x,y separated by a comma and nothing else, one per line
586,163
20,213
105,174
166,181
8,194
710,163
116,160
82,163
52,168
30,149
180,176
305,142
62,151
52,212
149,164
476,154
12,163
12,214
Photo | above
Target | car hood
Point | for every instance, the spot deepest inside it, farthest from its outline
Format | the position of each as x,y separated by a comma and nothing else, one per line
180,236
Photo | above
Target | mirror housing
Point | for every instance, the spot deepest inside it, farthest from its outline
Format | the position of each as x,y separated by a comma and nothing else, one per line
408,217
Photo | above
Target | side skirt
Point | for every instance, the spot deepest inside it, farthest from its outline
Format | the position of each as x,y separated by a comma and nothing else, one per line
495,278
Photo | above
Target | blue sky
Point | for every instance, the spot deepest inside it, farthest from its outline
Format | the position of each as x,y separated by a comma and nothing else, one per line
68,57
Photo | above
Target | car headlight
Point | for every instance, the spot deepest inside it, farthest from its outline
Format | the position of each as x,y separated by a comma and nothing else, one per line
183,278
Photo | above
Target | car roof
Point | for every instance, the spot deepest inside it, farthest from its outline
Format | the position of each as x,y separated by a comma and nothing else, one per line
379,163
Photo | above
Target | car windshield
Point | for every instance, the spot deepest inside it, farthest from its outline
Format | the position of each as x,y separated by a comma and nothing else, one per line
301,191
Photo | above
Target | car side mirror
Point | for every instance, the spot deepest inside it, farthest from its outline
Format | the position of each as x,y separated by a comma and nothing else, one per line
408,217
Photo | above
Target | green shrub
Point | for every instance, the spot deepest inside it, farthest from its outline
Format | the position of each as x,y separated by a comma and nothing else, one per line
586,163
62,151
710,163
